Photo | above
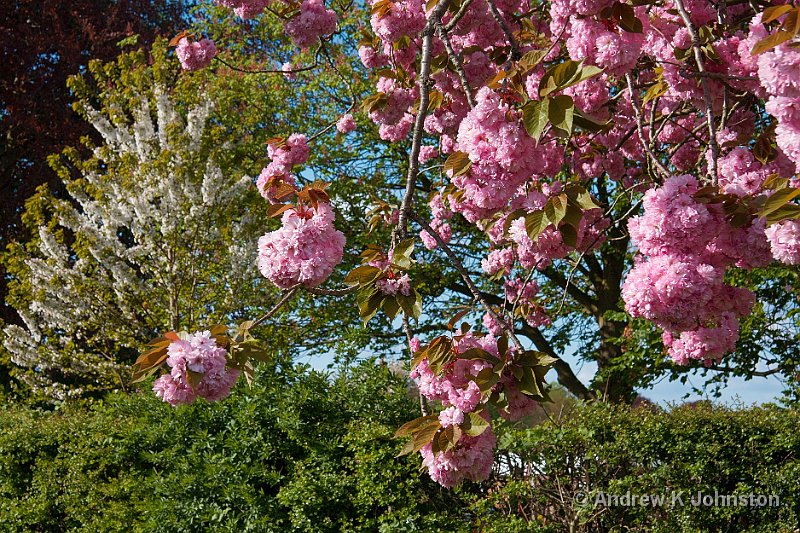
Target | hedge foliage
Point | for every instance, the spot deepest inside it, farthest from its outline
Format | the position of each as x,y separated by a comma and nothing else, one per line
308,451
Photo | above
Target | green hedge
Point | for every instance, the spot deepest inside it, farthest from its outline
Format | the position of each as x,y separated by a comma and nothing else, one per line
577,464
298,451
301,451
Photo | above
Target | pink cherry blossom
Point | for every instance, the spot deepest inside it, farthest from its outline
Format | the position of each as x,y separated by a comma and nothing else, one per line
304,250
195,55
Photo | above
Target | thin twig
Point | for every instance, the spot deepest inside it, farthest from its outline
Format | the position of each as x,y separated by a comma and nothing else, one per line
457,17
272,71
458,61
640,126
285,298
476,293
498,17
698,57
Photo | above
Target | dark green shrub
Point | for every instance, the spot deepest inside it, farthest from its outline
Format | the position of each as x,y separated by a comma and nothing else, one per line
599,451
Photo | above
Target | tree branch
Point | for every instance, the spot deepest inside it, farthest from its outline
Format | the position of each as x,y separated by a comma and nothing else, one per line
515,54
640,126
698,58
424,83
458,61
468,280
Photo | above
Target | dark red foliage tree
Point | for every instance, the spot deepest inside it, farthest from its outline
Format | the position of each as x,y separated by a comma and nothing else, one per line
42,43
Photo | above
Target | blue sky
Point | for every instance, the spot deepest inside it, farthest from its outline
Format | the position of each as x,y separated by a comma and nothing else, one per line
738,391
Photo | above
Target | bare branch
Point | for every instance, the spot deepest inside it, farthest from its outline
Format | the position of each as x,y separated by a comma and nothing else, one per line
424,83
468,280
698,58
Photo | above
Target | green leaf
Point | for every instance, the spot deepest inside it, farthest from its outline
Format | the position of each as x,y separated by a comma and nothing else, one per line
573,215
369,301
391,306
474,424
457,164
486,379
194,378
558,76
530,60
375,102
565,75
569,235
777,200
534,117
407,448
770,42
655,91
440,353
787,212
775,182
774,13
409,304
363,275
410,427
528,383
587,123
535,224
478,354
580,196
251,349
425,433
560,114
626,18
403,249
556,208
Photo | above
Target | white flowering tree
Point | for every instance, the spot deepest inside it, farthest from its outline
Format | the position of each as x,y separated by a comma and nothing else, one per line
156,234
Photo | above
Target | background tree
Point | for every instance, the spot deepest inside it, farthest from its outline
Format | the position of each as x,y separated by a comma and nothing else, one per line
146,240
42,43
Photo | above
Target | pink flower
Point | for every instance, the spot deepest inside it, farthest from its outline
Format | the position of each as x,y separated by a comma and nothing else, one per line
195,55
304,250
346,124
426,153
288,71
294,151
199,355
245,8
274,181
471,459
501,260
313,21
452,416
394,286
442,228
414,344
784,239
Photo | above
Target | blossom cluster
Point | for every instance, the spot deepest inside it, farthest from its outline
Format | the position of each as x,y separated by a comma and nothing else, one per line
304,250
195,55
680,286
312,22
284,156
245,8
197,369
456,389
